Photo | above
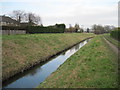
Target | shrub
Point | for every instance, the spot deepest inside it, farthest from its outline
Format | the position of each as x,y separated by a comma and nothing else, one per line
58,28
39,29
115,34
62,26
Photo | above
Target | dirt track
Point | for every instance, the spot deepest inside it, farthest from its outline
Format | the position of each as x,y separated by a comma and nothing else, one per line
114,48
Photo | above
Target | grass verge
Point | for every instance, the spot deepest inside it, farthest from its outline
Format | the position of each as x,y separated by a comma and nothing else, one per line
20,52
117,44
112,40
93,66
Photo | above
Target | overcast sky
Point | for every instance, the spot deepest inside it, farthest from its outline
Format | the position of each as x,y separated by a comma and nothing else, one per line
83,12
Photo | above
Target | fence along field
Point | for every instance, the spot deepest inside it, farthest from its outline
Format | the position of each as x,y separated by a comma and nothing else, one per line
13,32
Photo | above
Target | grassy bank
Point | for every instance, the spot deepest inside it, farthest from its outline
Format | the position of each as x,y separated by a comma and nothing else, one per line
112,40
23,51
94,65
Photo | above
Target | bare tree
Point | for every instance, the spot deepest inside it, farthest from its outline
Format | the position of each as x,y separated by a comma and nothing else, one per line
98,29
30,17
38,20
76,27
88,30
18,15
71,29
108,28
33,19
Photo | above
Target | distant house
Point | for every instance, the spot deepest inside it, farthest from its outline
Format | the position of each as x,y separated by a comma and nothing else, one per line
26,24
7,21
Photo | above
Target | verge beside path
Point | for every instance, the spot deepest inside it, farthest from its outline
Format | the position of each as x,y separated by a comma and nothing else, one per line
93,66
114,48
117,51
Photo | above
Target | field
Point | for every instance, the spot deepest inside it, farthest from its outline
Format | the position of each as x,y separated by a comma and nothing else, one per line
93,66
20,52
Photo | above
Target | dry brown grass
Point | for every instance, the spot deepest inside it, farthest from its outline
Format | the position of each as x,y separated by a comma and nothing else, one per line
21,51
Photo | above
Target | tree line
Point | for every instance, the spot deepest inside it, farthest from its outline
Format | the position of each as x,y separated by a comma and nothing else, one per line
99,29
73,29
33,19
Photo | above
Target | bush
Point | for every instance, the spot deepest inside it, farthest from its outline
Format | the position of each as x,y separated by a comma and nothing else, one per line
39,29
62,26
115,34
58,28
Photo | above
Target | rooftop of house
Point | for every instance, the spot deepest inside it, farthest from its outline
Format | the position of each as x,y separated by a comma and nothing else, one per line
26,23
10,20
7,19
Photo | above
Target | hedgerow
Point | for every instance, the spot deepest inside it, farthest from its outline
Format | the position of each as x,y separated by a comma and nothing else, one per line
115,34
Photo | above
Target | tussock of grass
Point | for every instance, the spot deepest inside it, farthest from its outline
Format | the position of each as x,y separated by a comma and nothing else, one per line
93,66
22,51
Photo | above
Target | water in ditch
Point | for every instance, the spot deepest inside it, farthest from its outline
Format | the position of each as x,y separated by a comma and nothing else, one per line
36,75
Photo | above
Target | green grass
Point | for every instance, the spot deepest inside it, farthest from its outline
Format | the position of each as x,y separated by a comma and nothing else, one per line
22,51
112,40
93,66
